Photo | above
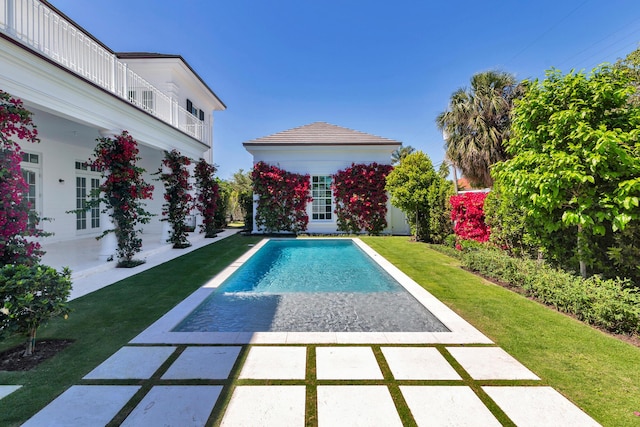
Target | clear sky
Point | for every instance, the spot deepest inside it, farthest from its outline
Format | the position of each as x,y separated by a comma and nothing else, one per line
382,67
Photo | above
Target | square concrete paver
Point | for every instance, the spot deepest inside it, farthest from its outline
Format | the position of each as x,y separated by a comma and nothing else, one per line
277,363
418,363
175,406
490,363
356,405
447,406
538,406
131,363
6,390
280,406
203,363
84,405
347,363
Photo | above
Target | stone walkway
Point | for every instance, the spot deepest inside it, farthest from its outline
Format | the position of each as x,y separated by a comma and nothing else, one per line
297,385
459,378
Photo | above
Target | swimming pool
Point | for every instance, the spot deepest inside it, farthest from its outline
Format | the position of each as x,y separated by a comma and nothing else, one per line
310,285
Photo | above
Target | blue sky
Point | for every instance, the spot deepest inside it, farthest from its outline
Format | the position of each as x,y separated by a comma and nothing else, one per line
386,68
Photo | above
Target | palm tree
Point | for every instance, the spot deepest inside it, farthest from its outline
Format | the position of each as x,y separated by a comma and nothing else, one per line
398,155
477,123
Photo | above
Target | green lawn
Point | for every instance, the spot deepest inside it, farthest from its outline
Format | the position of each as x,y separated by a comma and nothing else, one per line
597,372
601,374
105,320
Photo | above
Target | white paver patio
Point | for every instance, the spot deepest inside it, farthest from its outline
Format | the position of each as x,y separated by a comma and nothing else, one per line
418,363
347,363
278,406
490,363
203,363
131,363
275,363
6,390
84,405
538,406
447,406
356,405
174,405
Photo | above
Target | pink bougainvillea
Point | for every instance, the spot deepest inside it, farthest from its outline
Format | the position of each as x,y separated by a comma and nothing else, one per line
208,194
177,197
15,247
467,212
361,198
282,199
122,192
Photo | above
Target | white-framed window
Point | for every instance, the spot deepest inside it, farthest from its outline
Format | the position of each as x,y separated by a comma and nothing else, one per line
87,182
195,112
321,207
31,167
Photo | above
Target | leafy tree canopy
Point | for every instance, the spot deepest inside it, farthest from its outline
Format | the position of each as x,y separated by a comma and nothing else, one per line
576,155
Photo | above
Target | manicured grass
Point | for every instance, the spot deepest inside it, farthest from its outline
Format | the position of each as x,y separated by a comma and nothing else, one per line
105,320
598,372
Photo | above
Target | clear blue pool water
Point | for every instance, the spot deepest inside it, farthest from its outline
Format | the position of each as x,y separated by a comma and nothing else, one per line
312,285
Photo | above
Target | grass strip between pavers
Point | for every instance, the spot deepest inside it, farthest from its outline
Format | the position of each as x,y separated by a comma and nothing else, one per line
597,372
104,321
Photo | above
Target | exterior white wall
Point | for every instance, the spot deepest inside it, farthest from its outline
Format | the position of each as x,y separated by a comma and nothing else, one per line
57,181
326,161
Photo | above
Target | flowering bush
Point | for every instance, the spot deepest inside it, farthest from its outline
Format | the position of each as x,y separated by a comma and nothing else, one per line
31,295
208,195
361,198
122,193
15,247
282,199
467,211
177,197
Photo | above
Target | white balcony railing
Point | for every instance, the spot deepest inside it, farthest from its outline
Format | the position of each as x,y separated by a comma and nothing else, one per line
36,25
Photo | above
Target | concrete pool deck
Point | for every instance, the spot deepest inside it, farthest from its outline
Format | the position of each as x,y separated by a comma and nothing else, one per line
327,379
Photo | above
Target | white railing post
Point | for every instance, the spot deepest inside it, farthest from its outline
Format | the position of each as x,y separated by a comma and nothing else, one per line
36,25
10,13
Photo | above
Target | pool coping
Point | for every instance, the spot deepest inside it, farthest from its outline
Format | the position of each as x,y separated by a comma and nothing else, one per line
461,332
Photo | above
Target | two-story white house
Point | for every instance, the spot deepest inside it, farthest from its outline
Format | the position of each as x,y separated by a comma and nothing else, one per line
78,90
321,150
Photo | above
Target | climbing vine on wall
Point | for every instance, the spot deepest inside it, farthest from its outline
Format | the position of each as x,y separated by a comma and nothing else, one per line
15,230
122,193
178,201
361,198
282,199
208,196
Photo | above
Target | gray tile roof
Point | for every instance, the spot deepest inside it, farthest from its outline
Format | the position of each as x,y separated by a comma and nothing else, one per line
321,133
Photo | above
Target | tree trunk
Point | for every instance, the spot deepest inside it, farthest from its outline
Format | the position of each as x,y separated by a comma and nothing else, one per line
31,343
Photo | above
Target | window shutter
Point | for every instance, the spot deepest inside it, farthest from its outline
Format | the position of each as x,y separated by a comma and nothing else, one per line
202,115
189,106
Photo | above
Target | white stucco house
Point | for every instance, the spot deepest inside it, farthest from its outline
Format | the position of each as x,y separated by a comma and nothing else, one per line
320,150
78,90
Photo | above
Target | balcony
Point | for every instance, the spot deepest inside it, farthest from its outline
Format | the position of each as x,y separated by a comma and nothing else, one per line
37,26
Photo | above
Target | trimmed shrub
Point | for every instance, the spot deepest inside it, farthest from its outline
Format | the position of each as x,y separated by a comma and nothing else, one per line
612,304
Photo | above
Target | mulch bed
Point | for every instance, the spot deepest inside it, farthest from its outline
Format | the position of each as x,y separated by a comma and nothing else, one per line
15,360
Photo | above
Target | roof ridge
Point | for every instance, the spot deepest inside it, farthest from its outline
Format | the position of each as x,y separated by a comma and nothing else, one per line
321,133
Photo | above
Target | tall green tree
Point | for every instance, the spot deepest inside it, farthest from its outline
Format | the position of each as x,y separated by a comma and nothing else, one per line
440,192
576,161
398,155
408,184
241,187
477,122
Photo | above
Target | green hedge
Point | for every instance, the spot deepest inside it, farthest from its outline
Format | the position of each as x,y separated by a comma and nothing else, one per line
612,304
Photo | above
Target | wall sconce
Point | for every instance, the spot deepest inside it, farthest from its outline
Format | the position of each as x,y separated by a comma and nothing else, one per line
61,181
